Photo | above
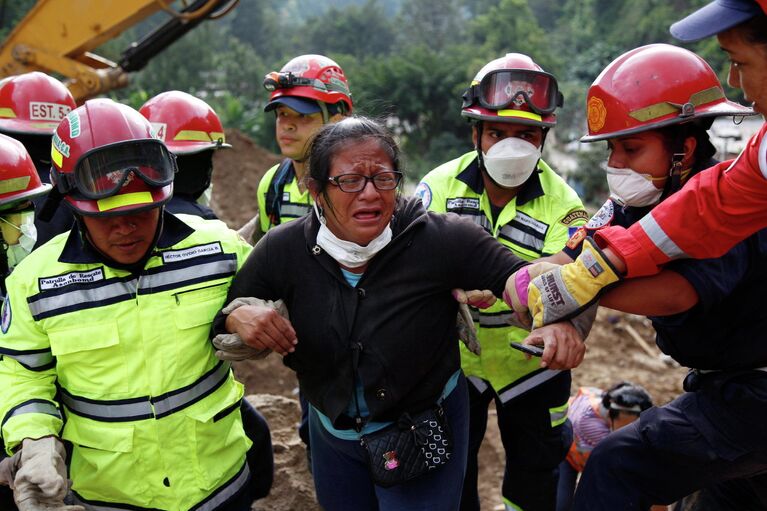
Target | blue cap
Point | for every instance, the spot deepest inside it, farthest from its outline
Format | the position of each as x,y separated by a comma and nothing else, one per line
714,18
303,106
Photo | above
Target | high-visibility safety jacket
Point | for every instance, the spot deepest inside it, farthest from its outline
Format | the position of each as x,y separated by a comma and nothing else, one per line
279,197
120,364
589,425
534,224
714,210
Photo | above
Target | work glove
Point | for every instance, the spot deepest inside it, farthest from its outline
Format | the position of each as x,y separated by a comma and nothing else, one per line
564,291
479,298
40,482
466,330
231,346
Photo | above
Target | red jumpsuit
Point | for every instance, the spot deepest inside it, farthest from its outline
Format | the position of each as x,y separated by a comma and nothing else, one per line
715,210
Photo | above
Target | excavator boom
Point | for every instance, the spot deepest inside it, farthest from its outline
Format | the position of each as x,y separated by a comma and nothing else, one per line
59,36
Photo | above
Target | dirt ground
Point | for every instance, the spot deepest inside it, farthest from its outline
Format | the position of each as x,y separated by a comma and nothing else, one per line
620,347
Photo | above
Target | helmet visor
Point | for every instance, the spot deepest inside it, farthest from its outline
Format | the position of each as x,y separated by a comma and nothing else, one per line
104,171
515,88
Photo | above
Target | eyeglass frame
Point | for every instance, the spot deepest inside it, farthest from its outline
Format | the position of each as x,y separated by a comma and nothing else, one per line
365,179
474,95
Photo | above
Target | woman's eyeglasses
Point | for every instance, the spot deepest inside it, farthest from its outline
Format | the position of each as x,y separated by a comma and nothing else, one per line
353,183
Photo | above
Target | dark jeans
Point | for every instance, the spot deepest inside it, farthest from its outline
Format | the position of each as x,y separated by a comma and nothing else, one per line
534,449
342,479
568,478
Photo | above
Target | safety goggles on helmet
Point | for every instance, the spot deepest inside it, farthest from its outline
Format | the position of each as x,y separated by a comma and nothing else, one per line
102,172
513,88
275,80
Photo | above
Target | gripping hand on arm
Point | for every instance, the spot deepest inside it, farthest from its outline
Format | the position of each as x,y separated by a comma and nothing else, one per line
259,324
563,291
231,346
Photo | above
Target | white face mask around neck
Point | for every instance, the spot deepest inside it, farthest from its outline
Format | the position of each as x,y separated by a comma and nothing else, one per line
348,253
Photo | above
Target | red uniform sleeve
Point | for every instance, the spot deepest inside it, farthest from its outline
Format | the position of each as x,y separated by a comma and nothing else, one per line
715,210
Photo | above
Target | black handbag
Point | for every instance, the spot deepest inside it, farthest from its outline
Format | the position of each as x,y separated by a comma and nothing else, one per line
409,447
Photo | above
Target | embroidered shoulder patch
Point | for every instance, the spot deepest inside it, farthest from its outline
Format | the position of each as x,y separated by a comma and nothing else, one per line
172,256
576,239
67,279
423,192
603,217
572,216
5,315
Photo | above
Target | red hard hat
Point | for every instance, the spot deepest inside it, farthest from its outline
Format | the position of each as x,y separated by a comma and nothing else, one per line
19,180
513,89
107,161
33,103
185,123
651,87
313,77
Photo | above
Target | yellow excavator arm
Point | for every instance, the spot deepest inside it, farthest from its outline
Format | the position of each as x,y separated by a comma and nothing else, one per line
58,36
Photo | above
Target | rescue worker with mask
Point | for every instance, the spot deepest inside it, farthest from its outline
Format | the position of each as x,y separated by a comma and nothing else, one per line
707,313
505,186
308,92
192,131
105,339
19,184
31,106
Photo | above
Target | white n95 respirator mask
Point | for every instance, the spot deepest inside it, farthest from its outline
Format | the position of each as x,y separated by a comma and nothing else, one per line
630,188
511,161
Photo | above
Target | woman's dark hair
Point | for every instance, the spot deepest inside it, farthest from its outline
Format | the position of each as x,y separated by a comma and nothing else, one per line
332,137
704,149
755,30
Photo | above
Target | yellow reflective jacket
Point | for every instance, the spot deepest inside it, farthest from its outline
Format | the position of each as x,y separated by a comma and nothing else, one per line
120,364
534,224
279,197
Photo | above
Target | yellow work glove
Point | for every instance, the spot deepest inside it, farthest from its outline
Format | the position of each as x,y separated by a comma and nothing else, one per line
40,482
567,290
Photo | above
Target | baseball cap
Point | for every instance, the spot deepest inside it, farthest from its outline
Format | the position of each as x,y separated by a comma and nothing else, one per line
301,105
716,17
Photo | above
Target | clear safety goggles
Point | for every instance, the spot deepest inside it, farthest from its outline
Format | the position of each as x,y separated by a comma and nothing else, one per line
102,172
276,80
500,89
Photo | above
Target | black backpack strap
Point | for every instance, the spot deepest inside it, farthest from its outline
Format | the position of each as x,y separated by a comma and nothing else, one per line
285,173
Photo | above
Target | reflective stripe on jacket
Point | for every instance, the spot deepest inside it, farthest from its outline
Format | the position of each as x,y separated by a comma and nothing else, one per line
533,224
294,203
152,414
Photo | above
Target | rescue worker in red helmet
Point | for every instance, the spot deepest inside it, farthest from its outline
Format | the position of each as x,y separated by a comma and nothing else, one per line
19,184
707,313
192,131
109,325
308,92
506,187
31,106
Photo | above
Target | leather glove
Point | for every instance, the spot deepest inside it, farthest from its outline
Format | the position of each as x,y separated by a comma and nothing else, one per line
564,291
231,346
8,468
479,298
466,330
516,293
41,481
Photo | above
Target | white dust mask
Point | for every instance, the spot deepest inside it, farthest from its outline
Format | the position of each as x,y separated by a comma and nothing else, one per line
19,247
511,161
630,188
348,253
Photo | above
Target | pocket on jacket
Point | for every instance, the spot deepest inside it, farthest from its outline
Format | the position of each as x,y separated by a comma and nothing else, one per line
102,456
219,442
90,358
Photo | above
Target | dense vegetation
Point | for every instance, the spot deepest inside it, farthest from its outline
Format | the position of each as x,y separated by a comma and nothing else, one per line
408,60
